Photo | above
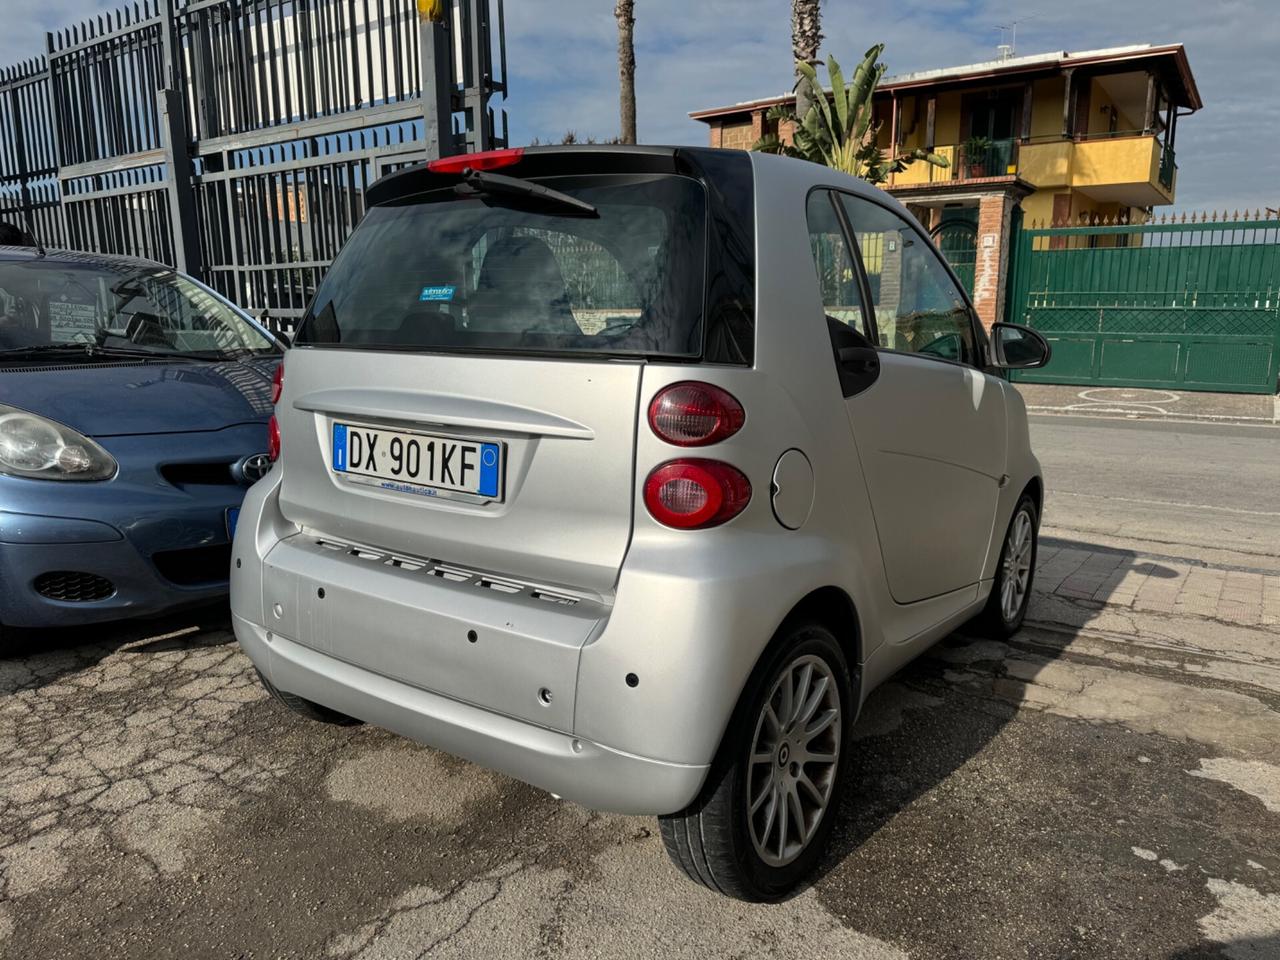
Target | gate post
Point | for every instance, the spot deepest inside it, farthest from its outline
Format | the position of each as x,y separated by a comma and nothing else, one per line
992,257
437,79
57,141
182,197
1013,292
175,140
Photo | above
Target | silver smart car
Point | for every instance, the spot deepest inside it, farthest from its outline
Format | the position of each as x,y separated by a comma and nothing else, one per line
630,472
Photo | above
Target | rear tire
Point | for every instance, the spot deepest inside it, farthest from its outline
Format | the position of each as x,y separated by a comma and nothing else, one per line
1010,595
312,711
764,816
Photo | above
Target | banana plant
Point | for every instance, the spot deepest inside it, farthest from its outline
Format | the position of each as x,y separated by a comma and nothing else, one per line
840,131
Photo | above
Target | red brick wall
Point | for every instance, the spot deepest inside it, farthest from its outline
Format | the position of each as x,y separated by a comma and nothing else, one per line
993,258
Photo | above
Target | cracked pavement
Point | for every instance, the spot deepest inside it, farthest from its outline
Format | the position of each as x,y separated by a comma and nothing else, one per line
1105,784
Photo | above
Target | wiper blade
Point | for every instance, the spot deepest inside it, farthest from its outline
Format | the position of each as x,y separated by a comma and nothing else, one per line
138,352
491,184
39,348
87,350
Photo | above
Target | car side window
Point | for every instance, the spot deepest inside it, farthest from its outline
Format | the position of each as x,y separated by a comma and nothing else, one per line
837,274
917,306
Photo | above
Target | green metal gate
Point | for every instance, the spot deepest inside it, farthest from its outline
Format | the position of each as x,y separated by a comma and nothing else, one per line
958,241
1193,305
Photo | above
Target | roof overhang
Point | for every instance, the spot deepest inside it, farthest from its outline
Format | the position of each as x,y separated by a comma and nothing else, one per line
1170,60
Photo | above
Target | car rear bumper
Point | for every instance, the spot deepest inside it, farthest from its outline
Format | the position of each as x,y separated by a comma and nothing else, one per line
576,769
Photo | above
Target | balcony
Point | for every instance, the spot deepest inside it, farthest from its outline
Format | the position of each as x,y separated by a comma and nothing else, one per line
1137,168
997,158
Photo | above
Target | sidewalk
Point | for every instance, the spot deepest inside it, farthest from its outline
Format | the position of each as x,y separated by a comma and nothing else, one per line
1140,402
1122,578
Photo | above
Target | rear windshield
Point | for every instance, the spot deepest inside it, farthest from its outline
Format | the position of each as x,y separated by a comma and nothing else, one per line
444,272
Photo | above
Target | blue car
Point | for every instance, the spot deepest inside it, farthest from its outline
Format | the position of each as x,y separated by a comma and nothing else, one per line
133,416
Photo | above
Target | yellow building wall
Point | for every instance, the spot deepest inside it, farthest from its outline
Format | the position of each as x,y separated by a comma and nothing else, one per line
1046,107
1046,164
1115,160
1037,209
947,123
914,122
1099,122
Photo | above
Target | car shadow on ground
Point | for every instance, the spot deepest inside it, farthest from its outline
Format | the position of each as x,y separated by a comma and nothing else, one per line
30,659
933,717
995,807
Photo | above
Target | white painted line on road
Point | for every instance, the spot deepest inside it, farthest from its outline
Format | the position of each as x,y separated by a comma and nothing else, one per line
1169,503
1275,408
1094,410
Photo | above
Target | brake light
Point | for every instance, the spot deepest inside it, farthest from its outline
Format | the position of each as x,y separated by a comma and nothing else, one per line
692,414
277,383
273,439
695,494
488,160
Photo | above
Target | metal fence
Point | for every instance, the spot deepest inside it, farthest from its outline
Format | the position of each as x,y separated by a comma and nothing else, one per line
234,139
1182,303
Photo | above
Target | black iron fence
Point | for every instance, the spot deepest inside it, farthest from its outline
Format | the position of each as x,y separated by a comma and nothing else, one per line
234,139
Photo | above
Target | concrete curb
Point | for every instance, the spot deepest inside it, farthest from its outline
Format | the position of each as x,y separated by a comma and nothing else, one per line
1105,413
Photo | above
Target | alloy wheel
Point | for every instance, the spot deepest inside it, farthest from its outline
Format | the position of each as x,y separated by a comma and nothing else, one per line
794,758
1016,565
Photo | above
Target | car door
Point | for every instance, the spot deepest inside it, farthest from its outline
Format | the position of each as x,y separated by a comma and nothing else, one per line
930,426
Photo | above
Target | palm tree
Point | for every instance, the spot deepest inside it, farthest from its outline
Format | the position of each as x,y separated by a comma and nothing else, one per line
840,131
806,41
625,11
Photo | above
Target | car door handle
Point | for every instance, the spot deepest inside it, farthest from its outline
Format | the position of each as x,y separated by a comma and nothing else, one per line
858,359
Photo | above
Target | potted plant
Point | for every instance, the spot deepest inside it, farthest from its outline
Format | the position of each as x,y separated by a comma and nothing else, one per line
975,155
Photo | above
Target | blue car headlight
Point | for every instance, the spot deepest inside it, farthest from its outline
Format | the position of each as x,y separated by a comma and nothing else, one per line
40,449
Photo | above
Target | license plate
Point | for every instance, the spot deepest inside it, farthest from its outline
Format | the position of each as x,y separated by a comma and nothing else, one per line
418,462
233,515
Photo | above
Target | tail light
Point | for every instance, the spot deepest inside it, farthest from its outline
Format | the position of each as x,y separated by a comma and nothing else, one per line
487,160
695,494
273,439
273,425
692,414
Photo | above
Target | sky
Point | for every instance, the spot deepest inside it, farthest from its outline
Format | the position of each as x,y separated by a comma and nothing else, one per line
693,54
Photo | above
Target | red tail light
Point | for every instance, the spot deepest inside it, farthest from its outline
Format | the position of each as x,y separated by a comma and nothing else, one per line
273,439
277,384
489,160
691,414
694,494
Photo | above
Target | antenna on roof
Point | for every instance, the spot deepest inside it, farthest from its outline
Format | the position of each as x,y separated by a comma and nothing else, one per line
1008,46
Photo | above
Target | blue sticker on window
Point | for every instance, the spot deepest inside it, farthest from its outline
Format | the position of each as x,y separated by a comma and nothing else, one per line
441,292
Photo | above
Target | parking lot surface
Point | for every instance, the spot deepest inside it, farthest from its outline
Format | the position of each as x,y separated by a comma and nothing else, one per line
1107,784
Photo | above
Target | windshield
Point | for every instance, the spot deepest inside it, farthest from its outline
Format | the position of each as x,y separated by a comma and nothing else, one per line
56,304
441,271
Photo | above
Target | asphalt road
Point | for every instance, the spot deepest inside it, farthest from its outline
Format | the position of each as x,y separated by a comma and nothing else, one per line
1105,785
1160,485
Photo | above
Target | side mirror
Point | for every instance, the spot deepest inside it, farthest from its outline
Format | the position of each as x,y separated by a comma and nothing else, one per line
1015,347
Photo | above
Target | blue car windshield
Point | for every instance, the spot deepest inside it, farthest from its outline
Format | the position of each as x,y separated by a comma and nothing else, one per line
57,303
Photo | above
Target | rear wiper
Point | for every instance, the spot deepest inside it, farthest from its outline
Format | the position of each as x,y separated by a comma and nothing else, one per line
478,181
